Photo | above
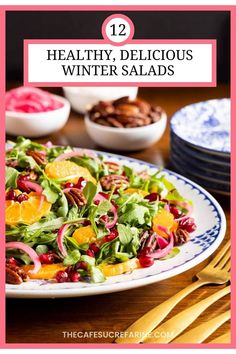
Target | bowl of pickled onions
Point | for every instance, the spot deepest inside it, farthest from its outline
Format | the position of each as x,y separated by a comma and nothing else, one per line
33,112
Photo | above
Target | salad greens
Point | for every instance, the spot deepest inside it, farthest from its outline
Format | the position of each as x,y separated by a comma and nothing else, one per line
79,222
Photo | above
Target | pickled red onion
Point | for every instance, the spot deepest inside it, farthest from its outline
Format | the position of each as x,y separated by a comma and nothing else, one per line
30,100
60,237
164,251
162,242
33,185
80,153
30,251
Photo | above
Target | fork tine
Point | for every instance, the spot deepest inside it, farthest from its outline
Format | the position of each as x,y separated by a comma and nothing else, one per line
227,267
218,257
224,260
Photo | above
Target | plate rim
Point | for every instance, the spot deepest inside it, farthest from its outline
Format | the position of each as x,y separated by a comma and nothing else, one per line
135,283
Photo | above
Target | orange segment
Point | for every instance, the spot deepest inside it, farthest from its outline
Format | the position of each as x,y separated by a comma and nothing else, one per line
135,190
110,270
27,212
47,271
63,169
84,234
13,212
165,219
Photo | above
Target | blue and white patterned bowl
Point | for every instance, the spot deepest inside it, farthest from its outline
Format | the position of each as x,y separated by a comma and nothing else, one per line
219,160
211,226
211,184
199,170
205,165
205,126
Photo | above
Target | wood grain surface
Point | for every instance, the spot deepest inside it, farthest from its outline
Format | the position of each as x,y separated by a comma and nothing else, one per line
95,319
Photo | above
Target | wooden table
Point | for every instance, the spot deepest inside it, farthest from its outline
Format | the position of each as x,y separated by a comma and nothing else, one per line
44,321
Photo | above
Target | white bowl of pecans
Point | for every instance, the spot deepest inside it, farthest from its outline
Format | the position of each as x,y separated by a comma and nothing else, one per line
125,124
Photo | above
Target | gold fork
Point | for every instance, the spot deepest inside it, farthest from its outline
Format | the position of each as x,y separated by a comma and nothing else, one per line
216,272
170,329
200,333
223,339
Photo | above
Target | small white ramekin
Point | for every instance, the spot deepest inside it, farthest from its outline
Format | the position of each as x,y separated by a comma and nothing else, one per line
38,124
126,139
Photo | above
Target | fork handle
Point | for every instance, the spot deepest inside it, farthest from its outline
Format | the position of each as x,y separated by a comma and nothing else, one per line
200,333
177,324
145,324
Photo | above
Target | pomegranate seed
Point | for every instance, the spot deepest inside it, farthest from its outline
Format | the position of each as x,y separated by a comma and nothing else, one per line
47,258
94,248
113,234
82,265
74,277
11,195
62,276
69,185
105,195
146,251
152,197
176,212
146,261
87,222
81,183
96,202
22,197
188,225
104,218
90,253
21,185
12,261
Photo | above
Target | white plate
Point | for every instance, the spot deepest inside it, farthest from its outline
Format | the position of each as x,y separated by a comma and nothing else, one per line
211,223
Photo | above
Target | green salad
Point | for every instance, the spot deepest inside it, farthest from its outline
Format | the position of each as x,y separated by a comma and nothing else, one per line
72,215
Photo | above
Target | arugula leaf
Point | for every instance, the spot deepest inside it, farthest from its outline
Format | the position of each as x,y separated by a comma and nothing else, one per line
63,206
73,213
26,161
90,163
87,259
46,225
40,249
174,195
55,151
97,275
11,177
125,234
49,190
72,258
135,215
89,191
103,207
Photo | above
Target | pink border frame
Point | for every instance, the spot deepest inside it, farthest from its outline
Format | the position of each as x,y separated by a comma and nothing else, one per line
3,9
126,18
134,41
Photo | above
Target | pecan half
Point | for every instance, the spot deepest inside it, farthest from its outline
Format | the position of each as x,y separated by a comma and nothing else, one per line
125,113
180,237
108,181
15,275
113,166
38,156
75,197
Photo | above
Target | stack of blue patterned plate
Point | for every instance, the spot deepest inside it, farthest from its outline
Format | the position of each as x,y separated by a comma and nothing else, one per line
200,144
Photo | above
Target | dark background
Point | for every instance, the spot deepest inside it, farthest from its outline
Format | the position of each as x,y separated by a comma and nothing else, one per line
87,25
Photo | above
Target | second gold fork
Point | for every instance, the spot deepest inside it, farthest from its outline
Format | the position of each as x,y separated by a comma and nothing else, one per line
216,272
